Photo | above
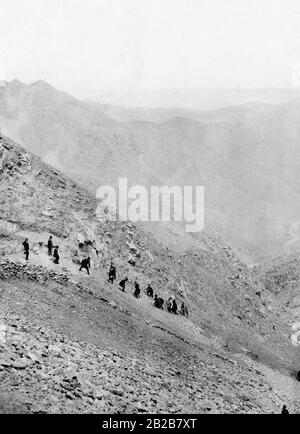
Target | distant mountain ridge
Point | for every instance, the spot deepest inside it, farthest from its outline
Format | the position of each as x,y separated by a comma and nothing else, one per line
193,100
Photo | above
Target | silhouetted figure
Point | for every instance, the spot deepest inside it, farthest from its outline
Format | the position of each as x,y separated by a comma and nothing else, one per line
112,274
184,310
137,292
50,246
298,375
26,249
174,307
122,284
56,255
86,264
149,291
158,302
284,410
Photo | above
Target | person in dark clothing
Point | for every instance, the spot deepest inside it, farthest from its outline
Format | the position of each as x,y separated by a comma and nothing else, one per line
26,249
50,246
56,255
158,302
137,292
284,410
161,302
86,264
122,284
149,291
112,273
298,375
174,307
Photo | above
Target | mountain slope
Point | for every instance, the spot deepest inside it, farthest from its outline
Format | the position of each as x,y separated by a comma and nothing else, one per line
281,277
247,157
96,349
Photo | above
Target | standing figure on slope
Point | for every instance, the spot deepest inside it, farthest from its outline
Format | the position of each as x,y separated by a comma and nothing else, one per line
26,249
112,273
137,292
86,264
56,255
50,246
122,284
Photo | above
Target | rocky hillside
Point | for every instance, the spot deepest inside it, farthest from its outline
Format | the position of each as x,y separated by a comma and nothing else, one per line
94,348
247,157
282,278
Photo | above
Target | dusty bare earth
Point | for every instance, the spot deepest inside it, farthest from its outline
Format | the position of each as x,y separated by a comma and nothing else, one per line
72,343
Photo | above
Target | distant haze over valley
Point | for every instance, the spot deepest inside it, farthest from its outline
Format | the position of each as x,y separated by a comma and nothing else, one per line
194,99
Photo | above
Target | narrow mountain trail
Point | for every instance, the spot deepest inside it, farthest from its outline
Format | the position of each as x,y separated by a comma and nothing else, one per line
97,282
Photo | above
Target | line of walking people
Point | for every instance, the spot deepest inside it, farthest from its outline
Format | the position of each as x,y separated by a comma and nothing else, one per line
53,251
170,305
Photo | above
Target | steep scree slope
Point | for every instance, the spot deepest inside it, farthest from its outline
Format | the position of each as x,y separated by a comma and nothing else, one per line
81,339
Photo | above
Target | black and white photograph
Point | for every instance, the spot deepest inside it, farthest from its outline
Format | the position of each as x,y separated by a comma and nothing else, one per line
149,210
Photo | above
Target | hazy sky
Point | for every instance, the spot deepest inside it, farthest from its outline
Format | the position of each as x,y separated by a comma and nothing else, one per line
137,47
